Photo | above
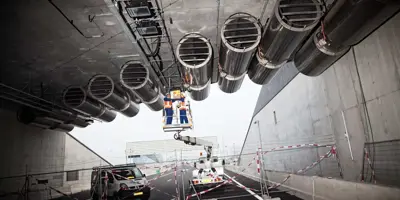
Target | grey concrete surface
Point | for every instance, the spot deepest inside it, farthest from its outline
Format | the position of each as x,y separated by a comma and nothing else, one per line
309,110
57,54
320,188
29,150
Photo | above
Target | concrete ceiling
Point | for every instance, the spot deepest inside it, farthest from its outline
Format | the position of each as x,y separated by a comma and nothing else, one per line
42,46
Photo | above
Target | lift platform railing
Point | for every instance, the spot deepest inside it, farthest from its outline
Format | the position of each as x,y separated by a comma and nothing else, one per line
176,124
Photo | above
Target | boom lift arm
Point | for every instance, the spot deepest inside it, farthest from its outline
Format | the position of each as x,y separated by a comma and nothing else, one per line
196,141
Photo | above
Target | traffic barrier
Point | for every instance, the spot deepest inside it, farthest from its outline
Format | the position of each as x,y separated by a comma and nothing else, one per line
370,165
247,188
296,147
176,183
336,155
331,152
159,176
305,169
254,158
258,161
164,166
210,189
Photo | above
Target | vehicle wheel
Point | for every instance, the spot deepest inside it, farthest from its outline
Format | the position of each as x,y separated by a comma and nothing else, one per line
95,196
116,197
145,198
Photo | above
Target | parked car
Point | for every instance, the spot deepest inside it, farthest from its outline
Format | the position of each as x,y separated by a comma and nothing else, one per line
123,182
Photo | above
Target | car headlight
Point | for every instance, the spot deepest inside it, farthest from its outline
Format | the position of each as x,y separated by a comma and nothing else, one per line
123,186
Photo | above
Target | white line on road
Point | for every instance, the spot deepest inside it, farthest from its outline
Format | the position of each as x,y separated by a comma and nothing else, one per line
249,191
169,180
166,174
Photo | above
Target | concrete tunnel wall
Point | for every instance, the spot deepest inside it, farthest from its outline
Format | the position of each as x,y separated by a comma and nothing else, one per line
29,150
309,110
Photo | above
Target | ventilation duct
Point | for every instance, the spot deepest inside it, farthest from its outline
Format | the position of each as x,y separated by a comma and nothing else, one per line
69,118
75,97
132,95
102,88
194,53
135,77
28,116
346,24
230,84
199,93
289,26
240,36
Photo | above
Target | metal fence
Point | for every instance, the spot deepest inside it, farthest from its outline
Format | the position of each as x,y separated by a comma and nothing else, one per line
51,185
382,163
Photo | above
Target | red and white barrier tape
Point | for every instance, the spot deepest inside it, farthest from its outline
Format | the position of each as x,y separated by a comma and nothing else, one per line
289,147
305,169
295,147
247,188
370,165
159,176
155,167
258,160
252,161
176,183
210,189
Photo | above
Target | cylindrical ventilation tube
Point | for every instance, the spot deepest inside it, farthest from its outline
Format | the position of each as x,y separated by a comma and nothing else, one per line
102,88
131,94
314,57
194,53
261,71
76,98
240,36
291,23
230,84
69,118
30,117
346,24
135,77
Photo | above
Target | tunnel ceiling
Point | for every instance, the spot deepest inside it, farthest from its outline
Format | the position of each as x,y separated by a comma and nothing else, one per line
43,50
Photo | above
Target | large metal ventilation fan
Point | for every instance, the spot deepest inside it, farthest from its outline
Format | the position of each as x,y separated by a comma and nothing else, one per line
76,98
346,24
135,77
102,88
240,36
291,23
194,53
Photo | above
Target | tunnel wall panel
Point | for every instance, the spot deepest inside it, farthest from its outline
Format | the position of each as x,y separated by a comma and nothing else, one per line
29,150
309,110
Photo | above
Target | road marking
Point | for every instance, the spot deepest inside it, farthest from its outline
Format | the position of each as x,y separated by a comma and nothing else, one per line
169,180
166,174
249,191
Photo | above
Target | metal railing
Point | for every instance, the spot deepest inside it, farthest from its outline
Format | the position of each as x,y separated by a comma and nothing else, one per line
381,164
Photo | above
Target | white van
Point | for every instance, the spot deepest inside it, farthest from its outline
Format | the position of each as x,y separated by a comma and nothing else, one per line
123,182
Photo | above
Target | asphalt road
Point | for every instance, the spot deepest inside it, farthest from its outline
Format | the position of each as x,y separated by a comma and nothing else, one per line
164,187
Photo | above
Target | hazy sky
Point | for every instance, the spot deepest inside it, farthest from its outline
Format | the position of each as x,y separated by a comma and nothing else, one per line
226,116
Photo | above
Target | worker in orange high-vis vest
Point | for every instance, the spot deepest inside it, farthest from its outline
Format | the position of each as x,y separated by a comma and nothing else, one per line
169,112
183,111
